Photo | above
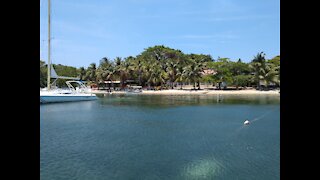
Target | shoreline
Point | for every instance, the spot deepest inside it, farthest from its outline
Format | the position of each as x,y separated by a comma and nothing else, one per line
195,92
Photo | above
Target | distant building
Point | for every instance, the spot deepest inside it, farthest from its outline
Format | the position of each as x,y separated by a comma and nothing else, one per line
208,72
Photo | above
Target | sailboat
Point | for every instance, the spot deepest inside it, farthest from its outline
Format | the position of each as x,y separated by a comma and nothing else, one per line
76,91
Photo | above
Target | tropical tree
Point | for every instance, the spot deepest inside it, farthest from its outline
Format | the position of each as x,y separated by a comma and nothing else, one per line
266,71
161,65
166,59
241,80
180,76
125,69
276,62
157,75
43,74
240,73
174,64
192,72
271,74
82,73
116,65
197,63
239,68
137,64
258,66
147,70
91,73
102,71
223,71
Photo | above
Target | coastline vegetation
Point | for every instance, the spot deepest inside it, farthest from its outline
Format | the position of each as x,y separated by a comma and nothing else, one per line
166,68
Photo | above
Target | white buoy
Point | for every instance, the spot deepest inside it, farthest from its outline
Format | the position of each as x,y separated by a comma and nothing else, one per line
246,122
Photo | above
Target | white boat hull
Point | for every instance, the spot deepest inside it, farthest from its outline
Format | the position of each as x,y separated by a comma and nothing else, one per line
54,98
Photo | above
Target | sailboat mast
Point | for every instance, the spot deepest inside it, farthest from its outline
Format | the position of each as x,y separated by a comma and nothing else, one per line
49,47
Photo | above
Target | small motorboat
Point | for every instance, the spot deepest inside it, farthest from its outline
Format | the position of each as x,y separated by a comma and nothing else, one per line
246,122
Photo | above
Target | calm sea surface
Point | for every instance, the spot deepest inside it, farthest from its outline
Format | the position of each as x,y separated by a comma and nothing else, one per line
148,137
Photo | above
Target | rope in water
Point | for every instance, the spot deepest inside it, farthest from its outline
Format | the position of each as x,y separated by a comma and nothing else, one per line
255,119
263,115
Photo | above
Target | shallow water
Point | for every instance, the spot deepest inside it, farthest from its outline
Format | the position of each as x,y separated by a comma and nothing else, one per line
161,137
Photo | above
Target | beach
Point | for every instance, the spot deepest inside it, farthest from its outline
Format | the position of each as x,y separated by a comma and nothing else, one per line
194,92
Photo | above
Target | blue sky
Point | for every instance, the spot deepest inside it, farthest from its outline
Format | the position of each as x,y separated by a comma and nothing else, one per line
85,31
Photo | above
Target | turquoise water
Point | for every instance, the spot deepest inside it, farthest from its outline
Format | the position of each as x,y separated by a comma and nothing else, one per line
161,137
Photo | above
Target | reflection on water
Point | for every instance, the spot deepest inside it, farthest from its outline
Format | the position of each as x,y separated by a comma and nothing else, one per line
161,137
201,169
185,100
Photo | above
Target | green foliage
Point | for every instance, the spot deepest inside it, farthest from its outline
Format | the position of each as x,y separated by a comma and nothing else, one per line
68,71
163,66
208,79
91,73
82,73
239,68
265,71
242,80
194,68
61,70
43,74
275,61
223,68
258,66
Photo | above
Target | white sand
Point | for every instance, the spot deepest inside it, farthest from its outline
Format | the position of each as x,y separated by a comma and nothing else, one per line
273,92
178,92
175,91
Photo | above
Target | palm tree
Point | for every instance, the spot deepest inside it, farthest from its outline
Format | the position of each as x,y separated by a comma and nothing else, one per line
265,71
102,71
118,61
181,63
192,73
223,67
147,70
157,75
180,76
276,62
117,70
258,65
271,74
172,70
91,73
195,67
82,73
101,75
111,74
124,69
137,64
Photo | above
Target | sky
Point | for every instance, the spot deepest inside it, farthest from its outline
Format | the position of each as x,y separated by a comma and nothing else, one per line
85,31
